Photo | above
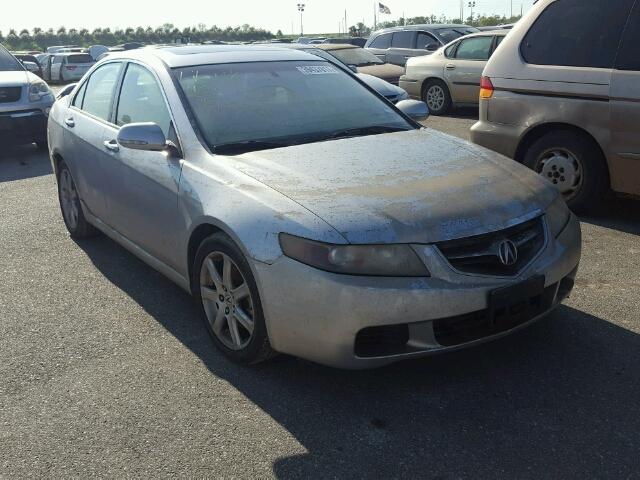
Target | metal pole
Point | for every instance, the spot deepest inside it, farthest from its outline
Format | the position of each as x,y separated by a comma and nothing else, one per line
511,8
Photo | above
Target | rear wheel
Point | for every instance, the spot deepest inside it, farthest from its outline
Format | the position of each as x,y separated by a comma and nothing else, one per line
230,301
72,214
437,97
574,164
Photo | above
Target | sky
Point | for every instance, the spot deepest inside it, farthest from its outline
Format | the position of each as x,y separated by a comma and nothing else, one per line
320,16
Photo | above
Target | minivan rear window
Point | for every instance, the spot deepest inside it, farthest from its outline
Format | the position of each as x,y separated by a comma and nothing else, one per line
82,58
577,33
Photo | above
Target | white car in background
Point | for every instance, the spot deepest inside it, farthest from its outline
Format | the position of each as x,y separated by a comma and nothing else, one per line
64,67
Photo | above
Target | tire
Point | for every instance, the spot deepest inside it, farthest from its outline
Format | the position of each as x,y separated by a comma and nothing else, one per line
71,207
436,95
221,304
583,185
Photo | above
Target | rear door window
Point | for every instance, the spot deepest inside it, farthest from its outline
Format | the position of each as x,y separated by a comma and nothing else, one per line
381,41
101,86
629,55
577,33
402,40
475,48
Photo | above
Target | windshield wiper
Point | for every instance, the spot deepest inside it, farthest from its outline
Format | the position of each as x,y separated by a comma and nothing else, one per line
363,131
249,146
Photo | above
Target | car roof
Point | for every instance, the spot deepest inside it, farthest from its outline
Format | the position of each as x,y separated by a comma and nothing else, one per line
186,56
426,27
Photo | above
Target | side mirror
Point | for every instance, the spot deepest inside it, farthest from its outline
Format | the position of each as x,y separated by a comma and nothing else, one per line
353,68
432,47
142,136
66,91
414,109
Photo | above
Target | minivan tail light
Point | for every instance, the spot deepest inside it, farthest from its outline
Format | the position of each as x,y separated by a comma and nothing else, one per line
486,88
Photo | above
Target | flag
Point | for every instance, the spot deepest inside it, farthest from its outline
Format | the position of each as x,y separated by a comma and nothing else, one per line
384,9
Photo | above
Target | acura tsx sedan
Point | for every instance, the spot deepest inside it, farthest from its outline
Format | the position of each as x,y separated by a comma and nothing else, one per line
306,214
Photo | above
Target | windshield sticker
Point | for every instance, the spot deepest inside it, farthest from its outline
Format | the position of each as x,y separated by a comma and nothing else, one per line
317,70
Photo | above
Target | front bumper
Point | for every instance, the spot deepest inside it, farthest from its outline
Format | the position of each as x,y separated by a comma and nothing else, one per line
324,317
23,126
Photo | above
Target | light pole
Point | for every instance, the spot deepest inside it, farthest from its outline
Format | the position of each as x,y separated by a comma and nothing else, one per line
301,9
471,5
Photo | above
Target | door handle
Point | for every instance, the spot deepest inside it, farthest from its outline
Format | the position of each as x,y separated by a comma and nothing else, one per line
450,66
111,145
69,122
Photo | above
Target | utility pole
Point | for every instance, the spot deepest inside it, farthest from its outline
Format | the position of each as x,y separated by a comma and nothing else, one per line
511,8
301,9
471,5
461,11
346,29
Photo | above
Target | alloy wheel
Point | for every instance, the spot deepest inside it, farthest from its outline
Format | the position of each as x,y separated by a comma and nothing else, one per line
435,97
562,168
68,199
227,301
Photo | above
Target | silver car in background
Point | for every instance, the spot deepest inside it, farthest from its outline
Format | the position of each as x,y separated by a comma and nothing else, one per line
306,214
450,77
65,67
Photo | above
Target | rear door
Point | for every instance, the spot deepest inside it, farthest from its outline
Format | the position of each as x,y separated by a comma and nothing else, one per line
403,47
625,110
381,45
464,70
145,201
85,124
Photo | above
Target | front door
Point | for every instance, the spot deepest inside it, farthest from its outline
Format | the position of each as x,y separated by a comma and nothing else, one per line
625,111
145,202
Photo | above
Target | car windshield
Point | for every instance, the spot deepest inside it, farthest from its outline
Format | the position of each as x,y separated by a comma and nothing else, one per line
356,56
8,63
450,34
252,106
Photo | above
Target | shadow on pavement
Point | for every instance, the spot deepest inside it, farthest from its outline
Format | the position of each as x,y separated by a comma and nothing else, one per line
559,399
21,162
618,213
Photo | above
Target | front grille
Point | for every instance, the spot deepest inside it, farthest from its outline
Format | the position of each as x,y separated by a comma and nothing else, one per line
10,94
484,323
480,254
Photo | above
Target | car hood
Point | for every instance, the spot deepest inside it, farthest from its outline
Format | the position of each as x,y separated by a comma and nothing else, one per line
13,79
386,71
419,186
381,86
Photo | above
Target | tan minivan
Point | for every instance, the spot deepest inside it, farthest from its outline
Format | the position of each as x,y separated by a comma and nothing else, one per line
561,94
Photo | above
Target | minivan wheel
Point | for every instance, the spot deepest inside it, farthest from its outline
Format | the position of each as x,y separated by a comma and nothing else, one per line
437,97
70,206
228,296
573,164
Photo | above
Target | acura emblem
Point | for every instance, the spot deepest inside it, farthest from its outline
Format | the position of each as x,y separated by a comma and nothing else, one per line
507,252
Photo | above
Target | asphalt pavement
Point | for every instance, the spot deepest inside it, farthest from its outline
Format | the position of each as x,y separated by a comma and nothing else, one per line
107,370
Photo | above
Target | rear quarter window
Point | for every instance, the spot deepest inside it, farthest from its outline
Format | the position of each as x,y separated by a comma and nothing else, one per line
577,33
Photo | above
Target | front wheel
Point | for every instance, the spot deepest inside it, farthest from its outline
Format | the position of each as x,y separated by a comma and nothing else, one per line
574,164
230,301
437,97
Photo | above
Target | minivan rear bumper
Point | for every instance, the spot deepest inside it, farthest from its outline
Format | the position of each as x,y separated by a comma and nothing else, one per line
498,137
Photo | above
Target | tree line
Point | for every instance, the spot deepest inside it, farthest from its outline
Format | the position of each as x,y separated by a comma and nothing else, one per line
39,39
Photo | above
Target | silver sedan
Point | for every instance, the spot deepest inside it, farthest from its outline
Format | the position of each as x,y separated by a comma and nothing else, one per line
306,214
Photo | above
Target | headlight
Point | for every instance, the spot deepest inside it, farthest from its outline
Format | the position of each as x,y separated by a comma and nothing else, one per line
372,260
37,91
558,215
